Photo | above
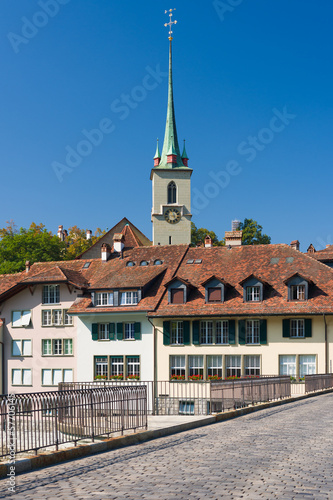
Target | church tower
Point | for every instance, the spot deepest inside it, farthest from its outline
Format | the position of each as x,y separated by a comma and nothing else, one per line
171,179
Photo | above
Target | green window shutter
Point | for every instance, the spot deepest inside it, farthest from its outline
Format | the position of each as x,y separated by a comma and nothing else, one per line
112,330
196,332
120,334
166,332
137,331
286,328
186,330
241,332
94,331
232,331
308,328
263,331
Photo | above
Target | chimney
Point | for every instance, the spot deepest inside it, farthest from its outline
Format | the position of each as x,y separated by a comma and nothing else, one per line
234,224
105,252
208,242
27,266
311,249
60,233
233,238
118,242
295,244
88,234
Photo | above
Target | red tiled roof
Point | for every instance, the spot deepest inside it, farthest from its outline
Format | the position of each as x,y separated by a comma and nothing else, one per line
325,255
273,263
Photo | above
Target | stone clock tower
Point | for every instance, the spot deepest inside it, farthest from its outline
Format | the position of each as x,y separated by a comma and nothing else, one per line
171,179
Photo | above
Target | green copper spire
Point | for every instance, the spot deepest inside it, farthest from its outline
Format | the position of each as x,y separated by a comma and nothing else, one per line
170,145
184,154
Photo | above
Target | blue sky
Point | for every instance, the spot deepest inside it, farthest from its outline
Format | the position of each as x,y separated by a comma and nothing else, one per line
253,98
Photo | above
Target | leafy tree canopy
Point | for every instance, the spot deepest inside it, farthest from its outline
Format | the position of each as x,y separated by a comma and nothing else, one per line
198,236
77,243
252,233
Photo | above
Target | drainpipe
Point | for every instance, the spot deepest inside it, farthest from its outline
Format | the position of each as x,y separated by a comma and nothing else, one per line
326,346
154,365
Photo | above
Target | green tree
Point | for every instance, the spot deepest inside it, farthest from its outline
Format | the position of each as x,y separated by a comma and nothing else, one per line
198,236
252,233
77,243
35,244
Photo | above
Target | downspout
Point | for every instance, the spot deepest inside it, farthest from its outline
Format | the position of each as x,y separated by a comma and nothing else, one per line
326,346
154,365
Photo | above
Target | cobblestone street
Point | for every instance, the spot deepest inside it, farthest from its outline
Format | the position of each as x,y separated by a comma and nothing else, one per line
282,452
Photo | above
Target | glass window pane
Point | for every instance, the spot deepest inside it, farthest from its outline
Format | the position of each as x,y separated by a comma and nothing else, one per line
307,365
68,346
57,376
17,319
68,375
26,347
16,377
26,317
16,348
26,377
47,377
288,365
46,346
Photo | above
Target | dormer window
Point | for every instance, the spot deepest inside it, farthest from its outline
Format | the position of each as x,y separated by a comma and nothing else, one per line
172,193
129,298
215,290
253,294
144,263
253,289
130,263
104,299
177,296
298,287
158,262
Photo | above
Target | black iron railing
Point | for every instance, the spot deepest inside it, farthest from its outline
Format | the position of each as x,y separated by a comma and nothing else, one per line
40,420
318,382
229,394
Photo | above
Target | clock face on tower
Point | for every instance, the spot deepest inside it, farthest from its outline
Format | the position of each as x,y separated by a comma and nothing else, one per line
172,215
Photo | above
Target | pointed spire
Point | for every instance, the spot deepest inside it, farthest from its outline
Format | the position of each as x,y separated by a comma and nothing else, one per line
157,157
170,145
184,156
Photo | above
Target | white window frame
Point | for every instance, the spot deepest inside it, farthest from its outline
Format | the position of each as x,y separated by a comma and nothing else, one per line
23,318
233,364
56,318
68,319
129,298
117,366
222,331
25,376
49,349
178,366
196,365
287,364
133,366
252,332
103,331
206,332
252,365
297,328
307,364
101,366
129,333
214,366
51,294
300,292
177,333
20,345
104,299
253,293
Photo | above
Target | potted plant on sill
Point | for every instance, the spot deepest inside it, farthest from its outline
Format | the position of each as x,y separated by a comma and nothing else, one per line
195,378
214,377
117,377
100,377
133,377
174,378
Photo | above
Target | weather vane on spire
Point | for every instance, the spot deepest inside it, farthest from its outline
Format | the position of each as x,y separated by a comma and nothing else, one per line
170,23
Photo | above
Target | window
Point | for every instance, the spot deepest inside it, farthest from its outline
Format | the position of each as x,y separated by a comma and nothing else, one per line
51,294
117,367
288,365
144,263
195,367
56,317
252,331
214,294
68,320
233,366
56,375
222,332
214,367
104,299
21,318
130,263
307,365
177,296
21,348
186,407
177,332
177,367
158,262
129,331
297,292
133,367
172,192
253,293
252,365
86,265
101,367
129,298
21,376
206,332
103,331
297,328
57,347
